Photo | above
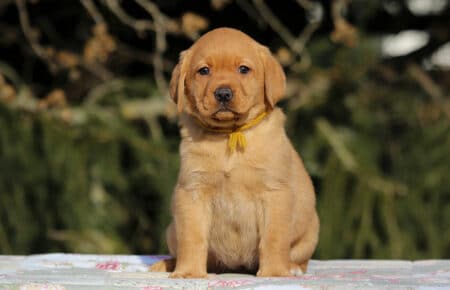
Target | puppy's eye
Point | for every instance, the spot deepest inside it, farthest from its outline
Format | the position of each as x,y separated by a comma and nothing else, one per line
204,71
244,69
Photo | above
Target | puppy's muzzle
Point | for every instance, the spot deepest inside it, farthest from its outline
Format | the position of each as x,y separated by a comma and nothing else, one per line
223,94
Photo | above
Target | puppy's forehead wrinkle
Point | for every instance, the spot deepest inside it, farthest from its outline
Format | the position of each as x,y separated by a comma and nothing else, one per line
226,45
224,59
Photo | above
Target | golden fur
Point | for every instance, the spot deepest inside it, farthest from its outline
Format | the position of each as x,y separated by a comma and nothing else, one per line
250,210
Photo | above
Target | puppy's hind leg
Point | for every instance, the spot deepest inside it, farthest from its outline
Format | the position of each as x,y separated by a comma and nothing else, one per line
303,249
167,265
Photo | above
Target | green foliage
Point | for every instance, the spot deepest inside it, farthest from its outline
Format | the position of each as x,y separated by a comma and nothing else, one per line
95,184
375,181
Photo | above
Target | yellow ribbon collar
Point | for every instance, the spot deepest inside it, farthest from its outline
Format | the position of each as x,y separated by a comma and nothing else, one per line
236,138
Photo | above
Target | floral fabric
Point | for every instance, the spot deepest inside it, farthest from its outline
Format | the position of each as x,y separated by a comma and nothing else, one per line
73,271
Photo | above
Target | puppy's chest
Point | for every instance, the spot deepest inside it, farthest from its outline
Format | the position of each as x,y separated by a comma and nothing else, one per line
235,172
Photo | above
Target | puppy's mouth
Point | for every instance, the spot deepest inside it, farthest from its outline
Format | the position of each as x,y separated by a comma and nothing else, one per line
225,114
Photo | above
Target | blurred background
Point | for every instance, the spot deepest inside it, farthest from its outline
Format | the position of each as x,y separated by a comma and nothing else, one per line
89,137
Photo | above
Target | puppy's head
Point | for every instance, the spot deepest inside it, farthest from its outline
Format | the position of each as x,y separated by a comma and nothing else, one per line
226,79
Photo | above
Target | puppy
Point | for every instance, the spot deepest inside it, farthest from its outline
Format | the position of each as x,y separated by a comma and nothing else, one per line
243,201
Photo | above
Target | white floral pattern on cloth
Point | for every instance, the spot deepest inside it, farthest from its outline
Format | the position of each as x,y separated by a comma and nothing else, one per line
41,287
74,271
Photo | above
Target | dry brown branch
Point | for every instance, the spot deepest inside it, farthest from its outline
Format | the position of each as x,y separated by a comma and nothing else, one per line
274,22
192,24
153,10
32,35
140,25
247,7
314,12
296,44
160,25
93,11
133,53
49,54
219,4
425,81
307,4
344,32
299,43
160,21
7,92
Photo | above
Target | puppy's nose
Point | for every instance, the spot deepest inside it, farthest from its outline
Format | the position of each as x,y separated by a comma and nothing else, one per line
223,94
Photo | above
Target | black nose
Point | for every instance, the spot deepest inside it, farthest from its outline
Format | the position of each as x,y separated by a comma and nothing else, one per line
223,95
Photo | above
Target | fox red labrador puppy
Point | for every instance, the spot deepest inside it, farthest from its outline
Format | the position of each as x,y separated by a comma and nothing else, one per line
243,200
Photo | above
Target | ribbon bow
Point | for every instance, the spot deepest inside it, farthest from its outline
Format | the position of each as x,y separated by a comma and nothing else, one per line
237,138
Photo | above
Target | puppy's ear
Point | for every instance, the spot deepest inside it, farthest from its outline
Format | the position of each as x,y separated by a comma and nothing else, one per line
178,79
274,78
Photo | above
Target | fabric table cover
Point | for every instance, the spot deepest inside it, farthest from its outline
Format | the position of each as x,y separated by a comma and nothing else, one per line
74,271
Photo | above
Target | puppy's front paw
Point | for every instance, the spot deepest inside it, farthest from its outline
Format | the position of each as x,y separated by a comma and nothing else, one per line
273,272
188,274
296,270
